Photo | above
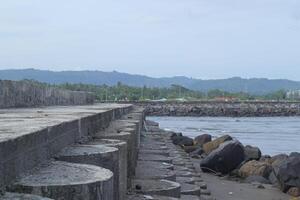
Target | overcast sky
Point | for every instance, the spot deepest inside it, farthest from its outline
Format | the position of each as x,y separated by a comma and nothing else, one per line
195,38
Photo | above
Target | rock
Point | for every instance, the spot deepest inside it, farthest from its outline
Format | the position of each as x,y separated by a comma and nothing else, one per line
255,168
256,179
175,134
183,140
199,151
294,154
203,139
289,173
225,158
189,149
210,146
265,158
252,153
294,191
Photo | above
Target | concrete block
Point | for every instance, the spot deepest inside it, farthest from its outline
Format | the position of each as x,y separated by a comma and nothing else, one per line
98,155
18,196
67,181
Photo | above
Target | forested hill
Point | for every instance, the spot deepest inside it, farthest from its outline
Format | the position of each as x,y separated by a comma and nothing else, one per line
236,84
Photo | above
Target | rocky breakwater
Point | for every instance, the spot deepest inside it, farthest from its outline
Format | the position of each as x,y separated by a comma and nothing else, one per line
217,108
227,157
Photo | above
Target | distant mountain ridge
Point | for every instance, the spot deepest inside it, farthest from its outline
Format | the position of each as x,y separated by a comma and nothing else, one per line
235,84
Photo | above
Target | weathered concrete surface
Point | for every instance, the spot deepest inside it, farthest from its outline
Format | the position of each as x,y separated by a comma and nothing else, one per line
68,181
18,196
98,155
29,94
154,173
29,137
122,146
158,187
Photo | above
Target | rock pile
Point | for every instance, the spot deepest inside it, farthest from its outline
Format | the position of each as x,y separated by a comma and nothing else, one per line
227,156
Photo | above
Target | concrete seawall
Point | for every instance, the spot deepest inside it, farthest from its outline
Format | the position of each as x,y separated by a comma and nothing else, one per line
67,152
28,94
214,108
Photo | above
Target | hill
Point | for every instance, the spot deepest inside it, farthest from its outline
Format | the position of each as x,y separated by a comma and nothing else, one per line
235,84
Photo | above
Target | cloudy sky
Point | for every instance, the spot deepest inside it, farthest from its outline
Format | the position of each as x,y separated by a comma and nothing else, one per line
195,38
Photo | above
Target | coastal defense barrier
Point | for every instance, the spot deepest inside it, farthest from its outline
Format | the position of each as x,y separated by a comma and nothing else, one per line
69,152
32,94
222,108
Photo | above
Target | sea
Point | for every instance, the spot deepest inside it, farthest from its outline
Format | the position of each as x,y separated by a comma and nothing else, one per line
273,135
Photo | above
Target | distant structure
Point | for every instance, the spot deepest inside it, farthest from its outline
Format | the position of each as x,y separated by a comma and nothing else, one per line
293,94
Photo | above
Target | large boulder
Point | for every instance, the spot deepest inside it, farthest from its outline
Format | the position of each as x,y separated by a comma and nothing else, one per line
210,146
183,141
255,168
276,161
252,153
225,158
289,173
202,139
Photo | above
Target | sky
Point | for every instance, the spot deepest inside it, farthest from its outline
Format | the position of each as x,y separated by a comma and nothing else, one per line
206,39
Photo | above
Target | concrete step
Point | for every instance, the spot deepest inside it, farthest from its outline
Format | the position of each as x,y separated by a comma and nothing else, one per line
158,158
98,155
190,189
68,181
181,180
19,196
189,197
142,172
122,146
148,197
154,151
154,164
157,187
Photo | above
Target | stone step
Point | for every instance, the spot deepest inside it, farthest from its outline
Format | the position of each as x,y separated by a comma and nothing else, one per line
68,181
122,146
154,173
98,155
155,164
189,197
184,174
154,151
148,197
181,180
190,189
19,196
151,157
157,187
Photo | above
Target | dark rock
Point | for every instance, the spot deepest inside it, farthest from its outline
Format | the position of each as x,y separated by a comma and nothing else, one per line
199,151
225,158
210,146
294,154
265,158
276,161
203,139
189,149
183,140
289,173
174,135
257,179
252,153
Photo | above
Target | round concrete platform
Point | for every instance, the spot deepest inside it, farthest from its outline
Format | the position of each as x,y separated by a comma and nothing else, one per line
189,197
190,189
189,180
154,173
157,187
155,164
99,155
68,181
122,146
153,157
148,197
18,196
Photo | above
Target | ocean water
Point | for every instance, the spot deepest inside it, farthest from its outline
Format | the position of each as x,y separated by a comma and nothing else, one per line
273,135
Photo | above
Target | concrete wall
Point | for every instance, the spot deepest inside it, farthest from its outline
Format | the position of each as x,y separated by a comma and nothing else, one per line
212,108
29,94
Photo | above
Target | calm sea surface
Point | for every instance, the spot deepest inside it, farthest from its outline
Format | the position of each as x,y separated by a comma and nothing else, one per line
273,135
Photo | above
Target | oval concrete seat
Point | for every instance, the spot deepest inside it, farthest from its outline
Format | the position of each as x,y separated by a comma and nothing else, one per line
148,197
154,164
99,155
122,146
190,189
157,187
153,157
68,181
154,173
19,196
